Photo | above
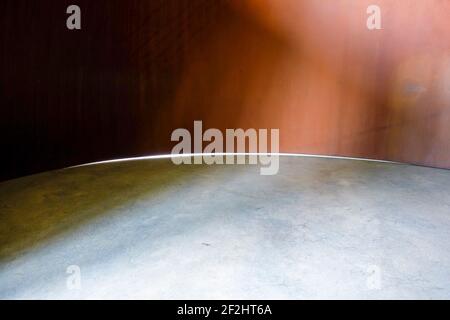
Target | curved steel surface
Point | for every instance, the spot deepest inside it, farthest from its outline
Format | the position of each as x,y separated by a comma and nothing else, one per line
140,69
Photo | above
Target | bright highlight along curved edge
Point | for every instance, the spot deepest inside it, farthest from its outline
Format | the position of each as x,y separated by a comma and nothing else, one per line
170,156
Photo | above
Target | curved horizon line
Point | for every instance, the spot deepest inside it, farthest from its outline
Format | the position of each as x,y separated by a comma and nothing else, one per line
185,155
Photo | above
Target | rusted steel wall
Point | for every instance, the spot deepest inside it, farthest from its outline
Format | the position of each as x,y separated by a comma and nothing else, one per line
70,97
139,69
314,70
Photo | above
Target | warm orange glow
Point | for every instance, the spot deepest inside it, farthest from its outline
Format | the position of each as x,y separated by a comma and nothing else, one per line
314,70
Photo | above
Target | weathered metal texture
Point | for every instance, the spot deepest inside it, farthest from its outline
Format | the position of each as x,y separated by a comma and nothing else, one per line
332,86
139,69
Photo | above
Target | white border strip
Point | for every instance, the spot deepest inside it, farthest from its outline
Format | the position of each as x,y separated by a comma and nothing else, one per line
186,155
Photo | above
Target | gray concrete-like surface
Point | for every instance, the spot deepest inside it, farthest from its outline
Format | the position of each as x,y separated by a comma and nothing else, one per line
321,228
